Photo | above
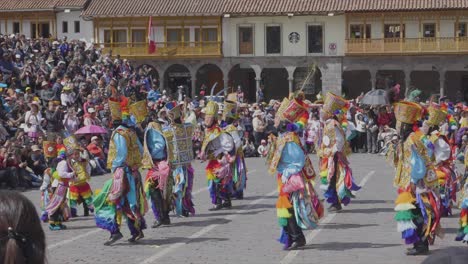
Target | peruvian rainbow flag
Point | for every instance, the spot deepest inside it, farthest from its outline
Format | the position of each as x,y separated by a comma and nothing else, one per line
151,42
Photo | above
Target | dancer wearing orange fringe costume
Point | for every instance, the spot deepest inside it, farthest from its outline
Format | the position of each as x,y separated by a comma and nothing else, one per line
417,205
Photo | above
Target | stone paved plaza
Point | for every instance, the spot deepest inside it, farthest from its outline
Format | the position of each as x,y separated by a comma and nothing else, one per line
364,232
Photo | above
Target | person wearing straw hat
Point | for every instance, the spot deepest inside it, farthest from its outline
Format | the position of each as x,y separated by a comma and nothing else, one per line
219,149
57,207
158,183
444,166
230,122
122,195
179,135
335,171
80,190
295,176
417,206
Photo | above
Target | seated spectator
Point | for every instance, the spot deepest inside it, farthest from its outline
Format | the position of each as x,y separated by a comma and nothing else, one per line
8,174
249,149
263,148
37,161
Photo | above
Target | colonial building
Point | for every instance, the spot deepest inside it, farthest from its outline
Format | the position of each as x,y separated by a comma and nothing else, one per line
179,40
344,46
44,18
422,44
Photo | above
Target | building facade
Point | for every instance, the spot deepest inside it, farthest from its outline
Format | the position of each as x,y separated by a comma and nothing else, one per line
45,19
424,50
346,47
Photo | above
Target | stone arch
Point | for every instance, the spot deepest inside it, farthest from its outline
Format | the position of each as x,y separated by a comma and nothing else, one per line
274,82
356,82
243,76
177,75
207,75
313,85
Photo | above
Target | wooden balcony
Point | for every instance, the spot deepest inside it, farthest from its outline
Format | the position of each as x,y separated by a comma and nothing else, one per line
165,49
404,46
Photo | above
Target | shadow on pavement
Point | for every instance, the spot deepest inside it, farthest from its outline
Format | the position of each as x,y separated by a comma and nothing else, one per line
250,198
203,223
451,230
345,226
372,202
341,246
169,241
450,255
230,212
366,210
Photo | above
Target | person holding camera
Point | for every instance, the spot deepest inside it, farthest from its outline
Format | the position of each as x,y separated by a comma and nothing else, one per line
53,120
7,173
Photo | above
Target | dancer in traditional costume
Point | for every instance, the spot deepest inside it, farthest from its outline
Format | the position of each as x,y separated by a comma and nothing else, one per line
463,230
158,182
219,149
80,191
179,134
46,193
417,205
230,123
57,208
335,172
123,194
444,165
298,205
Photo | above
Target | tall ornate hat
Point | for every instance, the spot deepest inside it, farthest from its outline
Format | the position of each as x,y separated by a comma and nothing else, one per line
115,110
139,110
230,106
211,109
333,102
173,109
408,112
71,144
119,108
279,113
294,110
436,115
50,149
175,112
230,110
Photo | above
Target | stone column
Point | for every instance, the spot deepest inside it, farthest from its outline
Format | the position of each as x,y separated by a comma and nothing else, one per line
226,88
291,84
332,76
373,77
291,70
194,84
257,87
442,83
407,82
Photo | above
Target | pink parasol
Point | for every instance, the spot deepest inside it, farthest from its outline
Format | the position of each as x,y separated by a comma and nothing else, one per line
90,130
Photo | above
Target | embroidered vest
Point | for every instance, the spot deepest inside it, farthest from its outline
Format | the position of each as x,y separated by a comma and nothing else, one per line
134,157
210,134
308,170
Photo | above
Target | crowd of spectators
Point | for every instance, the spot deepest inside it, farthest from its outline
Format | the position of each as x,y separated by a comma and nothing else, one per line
50,89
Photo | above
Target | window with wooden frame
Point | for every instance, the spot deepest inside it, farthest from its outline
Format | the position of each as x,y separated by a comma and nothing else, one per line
273,39
246,41
394,30
356,31
460,30
314,39
429,30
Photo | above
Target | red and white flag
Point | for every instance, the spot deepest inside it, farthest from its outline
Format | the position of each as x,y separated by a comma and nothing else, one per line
151,42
